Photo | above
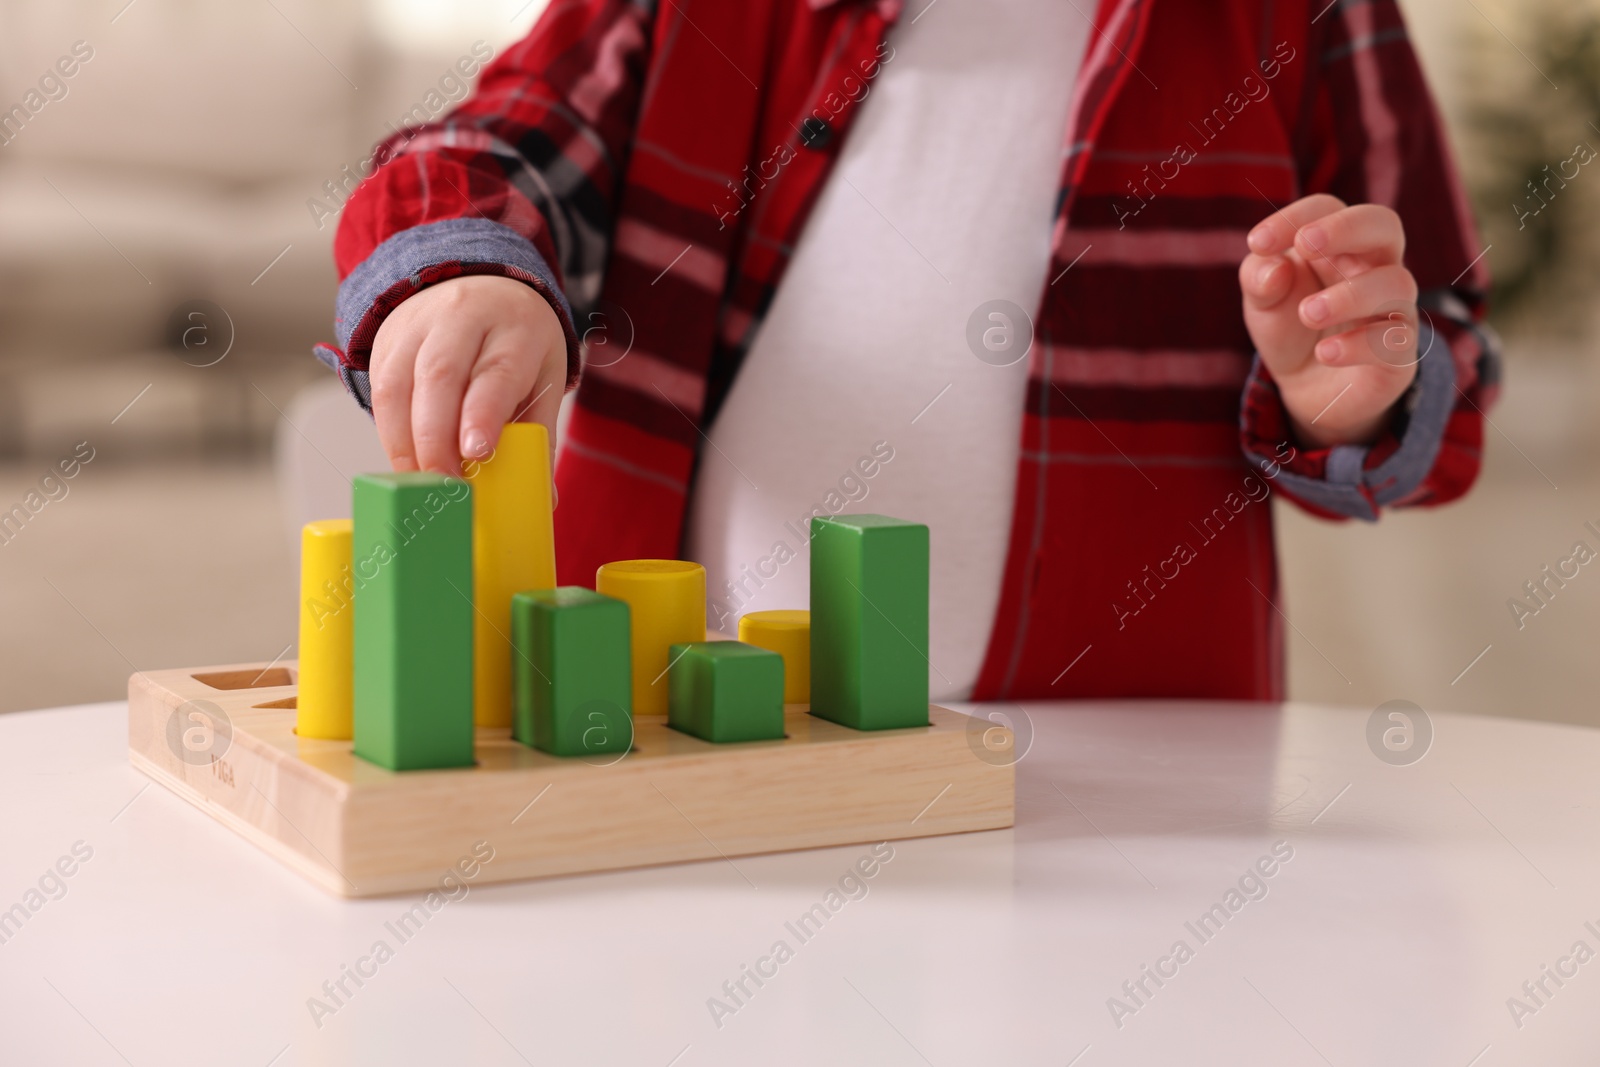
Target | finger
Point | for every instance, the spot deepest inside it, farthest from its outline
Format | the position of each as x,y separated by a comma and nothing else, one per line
444,363
544,399
390,378
544,406
1276,233
1265,280
1387,342
499,385
1337,269
1369,231
543,403
1377,292
1343,268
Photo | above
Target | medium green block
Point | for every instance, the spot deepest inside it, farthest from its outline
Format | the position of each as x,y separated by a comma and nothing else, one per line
411,554
572,672
869,621
725,691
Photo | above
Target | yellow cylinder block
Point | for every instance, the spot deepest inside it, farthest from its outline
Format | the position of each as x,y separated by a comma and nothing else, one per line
324,705
787,633
513,551
666,606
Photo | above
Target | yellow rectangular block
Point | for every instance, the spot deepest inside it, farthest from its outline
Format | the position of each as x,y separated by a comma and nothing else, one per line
325,704
513,551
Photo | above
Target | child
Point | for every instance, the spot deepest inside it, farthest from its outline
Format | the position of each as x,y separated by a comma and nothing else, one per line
974,265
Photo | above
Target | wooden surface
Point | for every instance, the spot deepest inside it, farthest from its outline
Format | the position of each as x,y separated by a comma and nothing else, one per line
357,829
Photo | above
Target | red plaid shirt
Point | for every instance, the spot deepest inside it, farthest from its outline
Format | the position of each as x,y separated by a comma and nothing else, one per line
599,159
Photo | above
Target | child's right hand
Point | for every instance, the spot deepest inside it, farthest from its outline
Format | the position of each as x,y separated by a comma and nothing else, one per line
457,361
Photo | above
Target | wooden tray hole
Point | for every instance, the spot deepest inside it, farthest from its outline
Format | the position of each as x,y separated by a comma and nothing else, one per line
286,702
246,679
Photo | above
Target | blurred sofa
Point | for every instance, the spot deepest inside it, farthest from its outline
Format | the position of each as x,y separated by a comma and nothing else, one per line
174,165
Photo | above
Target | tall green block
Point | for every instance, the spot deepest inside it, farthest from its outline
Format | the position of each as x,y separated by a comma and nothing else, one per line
411,554
869,621
725,691
572,672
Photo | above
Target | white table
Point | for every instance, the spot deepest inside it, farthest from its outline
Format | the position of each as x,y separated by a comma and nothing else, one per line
1418,900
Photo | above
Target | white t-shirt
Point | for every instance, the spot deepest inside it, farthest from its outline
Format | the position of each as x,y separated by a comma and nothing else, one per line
860,393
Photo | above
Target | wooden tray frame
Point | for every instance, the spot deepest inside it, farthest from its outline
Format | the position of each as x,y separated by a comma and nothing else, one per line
358,830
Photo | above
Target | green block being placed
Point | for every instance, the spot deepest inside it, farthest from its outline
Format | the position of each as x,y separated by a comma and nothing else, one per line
411,554
869,621
725,691
572,672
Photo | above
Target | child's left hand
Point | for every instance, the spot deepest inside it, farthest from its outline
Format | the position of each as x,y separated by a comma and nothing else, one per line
1333,312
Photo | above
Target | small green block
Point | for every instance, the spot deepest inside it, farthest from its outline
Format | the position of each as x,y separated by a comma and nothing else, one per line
411,558
869,621
572,672
725,691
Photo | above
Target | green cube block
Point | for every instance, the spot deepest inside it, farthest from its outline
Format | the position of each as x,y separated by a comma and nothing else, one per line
869,621
725,691
411,557
572,672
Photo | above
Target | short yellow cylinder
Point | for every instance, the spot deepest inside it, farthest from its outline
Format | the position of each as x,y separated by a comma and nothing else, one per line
666,606
788,633
325,702
513,551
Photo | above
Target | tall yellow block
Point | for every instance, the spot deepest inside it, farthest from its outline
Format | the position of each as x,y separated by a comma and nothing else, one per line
788,633
325,703
513,551
666,606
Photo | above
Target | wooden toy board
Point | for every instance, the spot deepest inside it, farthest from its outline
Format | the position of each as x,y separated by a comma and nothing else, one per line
358,830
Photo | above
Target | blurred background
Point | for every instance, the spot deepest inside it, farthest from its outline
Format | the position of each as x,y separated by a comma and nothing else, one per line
165,267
